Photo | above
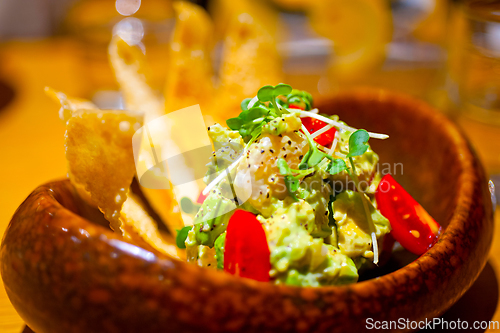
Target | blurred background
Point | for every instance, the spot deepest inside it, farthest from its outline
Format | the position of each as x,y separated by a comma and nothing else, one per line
442,51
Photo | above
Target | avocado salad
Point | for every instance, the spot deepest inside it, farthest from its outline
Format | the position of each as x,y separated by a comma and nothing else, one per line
290,195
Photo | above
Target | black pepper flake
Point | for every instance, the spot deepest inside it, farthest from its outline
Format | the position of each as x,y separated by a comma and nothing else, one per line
214,191
272,151
282,119
209,128
290,142
283,148
285,155
267,196
262,151
300,157
280,135
249,165
326,213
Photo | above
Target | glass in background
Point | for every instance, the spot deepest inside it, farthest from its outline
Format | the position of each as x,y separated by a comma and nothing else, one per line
474,78
394,44
92,23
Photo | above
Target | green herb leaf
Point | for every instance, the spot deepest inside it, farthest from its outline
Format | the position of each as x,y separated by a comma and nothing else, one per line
292,185
282,89
300,98
269,93
283,167
357,143
303,163
182,234
315,158
336,166
234,123
266,94
245,124
244,104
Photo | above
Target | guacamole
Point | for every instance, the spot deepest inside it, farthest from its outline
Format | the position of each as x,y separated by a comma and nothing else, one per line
315,203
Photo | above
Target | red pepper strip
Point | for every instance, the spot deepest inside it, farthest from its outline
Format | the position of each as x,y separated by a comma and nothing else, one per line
246,252
313,125
201,198
295,106
411,225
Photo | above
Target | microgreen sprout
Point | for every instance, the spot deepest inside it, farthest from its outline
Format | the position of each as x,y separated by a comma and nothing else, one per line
358,146
292,176
180,239
271,93
300,98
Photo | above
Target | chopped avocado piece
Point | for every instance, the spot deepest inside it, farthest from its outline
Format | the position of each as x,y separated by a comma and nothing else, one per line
219,250
284,124
348,272
353,230
208,222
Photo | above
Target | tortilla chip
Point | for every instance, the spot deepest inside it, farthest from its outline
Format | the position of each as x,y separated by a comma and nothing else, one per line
130,69
250,60
100,157
136,222
128,64
223,11
189,79
68,104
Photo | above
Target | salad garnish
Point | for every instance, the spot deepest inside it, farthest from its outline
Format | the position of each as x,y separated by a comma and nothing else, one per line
313,233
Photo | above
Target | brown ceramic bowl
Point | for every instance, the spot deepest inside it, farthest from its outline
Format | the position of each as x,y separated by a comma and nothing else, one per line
64,273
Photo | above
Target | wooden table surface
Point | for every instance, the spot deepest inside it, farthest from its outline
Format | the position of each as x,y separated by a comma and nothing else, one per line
31,149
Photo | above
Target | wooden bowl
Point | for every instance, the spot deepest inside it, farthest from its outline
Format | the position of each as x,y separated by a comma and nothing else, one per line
64,273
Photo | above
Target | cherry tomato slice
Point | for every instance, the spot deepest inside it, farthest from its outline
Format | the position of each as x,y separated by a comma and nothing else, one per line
313,125
246,252
201,198
411,225
295,106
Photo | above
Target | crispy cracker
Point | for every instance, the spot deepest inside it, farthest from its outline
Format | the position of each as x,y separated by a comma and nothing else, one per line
100,158
189,78
250,60
68,104
130,69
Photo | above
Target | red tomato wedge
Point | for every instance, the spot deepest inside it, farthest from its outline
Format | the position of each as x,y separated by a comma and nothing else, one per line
411,225
313,125
246,252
